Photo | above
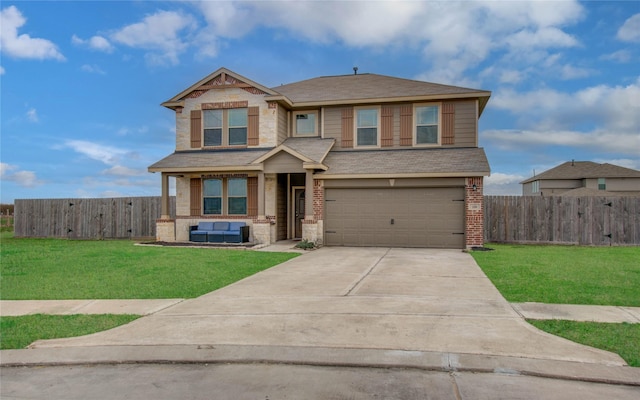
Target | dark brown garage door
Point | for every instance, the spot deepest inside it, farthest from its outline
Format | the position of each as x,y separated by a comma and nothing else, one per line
395,217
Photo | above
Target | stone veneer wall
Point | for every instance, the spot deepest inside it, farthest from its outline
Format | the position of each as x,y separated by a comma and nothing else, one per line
268,116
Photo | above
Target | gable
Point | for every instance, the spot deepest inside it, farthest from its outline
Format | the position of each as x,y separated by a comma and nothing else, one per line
283,162
220,79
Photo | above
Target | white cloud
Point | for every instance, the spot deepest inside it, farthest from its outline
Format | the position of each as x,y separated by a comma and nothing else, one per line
97,42
621,56
2,71
622,162
453,36
612,109
93,69
630,30
599,140
119,170
32,115
503,184
159,34
12,173
571,72
23,46
106,154
498,178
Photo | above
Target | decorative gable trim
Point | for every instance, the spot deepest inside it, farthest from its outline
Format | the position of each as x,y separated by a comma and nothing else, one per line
220,79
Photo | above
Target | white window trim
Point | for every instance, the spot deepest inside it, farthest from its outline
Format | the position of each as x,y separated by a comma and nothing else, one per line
355,127
415,125
295,125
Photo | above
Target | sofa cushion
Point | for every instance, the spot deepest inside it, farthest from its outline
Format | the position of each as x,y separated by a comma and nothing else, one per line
205,226
235,226
220,226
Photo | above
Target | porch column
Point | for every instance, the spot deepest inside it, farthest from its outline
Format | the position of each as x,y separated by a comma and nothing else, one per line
261,214
308,195
164,210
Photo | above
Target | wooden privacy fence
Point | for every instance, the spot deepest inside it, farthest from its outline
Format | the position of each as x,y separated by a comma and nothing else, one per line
565,220
104,218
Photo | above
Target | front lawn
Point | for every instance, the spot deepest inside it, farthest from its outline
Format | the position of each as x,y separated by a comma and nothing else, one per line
564,274
59,269
623,339
19,332
607,276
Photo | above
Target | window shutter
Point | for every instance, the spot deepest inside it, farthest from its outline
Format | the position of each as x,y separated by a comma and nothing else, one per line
448,123
252,195
195,197
253,131
387,126
347,127
406,125
196,129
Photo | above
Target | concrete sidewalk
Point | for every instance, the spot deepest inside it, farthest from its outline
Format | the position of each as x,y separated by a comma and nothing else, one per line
571,312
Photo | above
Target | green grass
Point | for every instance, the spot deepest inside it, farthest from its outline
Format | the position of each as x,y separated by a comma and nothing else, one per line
564,274
623,339
19,332
57,269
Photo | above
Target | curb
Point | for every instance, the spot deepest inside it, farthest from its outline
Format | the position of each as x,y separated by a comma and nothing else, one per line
326,357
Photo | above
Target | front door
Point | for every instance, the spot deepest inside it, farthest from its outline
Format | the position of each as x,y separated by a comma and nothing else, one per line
298,195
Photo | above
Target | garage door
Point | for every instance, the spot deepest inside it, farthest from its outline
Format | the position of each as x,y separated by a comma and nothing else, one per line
395,217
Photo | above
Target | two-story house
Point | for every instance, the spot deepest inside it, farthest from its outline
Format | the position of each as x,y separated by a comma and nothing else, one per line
352,160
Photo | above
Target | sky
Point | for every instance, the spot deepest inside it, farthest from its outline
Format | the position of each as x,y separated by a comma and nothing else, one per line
81,82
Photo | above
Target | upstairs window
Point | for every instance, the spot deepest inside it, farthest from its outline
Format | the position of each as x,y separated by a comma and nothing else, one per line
306,123
367,121
427,125
225,127
602,184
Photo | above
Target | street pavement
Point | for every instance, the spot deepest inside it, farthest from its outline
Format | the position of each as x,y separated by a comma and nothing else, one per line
333,323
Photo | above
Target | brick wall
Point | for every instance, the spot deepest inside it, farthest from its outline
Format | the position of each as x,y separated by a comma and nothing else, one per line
318,199
474,212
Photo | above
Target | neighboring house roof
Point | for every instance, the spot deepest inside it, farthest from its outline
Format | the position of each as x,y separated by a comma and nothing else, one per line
584,170
369,88
583,191
448,162
202,160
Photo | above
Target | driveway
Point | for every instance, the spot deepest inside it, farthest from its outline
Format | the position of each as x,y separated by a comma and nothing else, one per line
398,300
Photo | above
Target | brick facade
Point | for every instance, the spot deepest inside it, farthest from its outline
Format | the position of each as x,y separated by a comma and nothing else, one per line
474,212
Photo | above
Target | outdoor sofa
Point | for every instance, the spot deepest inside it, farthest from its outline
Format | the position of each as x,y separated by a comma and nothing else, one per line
219,232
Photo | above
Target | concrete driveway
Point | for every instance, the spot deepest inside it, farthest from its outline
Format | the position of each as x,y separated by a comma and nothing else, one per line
407,301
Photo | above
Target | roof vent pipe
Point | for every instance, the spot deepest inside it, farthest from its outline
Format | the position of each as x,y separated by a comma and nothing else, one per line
355,70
